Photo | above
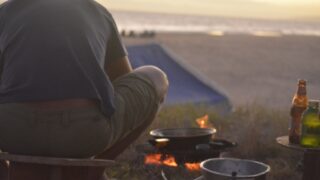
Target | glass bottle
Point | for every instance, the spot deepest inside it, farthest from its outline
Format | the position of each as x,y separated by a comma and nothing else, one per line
310,127
299,105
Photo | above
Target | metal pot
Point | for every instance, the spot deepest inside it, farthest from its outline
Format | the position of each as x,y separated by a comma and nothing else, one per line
233,169
182,137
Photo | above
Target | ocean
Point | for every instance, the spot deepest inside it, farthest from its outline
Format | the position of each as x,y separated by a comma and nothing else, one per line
158,22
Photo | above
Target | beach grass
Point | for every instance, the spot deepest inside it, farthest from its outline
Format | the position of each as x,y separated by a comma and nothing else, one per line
253,127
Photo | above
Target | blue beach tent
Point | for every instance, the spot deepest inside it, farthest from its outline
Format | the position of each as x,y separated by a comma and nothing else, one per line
186,86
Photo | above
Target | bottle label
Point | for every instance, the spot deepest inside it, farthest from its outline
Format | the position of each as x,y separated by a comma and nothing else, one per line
311,130
296,113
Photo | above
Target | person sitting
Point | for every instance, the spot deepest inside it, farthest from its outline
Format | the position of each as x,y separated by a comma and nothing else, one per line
67,88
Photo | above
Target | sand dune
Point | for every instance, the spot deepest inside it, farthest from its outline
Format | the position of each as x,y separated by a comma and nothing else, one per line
249,68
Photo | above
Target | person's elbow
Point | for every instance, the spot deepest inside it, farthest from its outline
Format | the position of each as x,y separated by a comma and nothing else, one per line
118,68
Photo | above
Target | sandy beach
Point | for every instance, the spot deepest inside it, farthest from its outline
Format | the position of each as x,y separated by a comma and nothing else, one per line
249,69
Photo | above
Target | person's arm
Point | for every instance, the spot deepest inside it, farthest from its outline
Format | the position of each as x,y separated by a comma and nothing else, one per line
118,68
116,61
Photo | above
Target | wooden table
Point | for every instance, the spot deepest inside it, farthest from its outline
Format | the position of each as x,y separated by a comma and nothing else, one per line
311,158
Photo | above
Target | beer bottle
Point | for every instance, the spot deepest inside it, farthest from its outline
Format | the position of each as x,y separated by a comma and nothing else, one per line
310,127
299,105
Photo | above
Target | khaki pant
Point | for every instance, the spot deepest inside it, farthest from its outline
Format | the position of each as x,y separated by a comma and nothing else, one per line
77,132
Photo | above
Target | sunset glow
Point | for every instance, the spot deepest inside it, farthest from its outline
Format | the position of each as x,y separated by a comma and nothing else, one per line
268,9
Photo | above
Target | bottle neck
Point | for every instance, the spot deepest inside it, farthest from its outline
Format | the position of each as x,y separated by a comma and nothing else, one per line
302,91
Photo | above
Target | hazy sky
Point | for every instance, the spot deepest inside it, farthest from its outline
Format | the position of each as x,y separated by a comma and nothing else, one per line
240,8
275,9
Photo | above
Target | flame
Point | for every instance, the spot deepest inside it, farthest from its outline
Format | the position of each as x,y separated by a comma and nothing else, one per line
192,166
153,159
159,159
168,160
203,122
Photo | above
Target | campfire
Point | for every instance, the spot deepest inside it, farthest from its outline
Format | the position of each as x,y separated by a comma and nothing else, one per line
169,160
161,159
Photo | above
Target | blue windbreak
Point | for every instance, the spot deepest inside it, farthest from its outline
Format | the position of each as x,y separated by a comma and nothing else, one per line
185,87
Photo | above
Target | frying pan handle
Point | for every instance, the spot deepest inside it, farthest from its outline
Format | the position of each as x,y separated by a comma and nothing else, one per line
223,143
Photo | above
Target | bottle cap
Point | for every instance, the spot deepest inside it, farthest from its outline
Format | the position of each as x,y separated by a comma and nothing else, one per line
314,103
302,81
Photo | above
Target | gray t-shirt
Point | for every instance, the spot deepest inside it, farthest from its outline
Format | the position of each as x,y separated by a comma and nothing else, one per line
57,49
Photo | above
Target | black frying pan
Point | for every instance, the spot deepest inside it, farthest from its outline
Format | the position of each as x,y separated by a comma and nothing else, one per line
182,137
